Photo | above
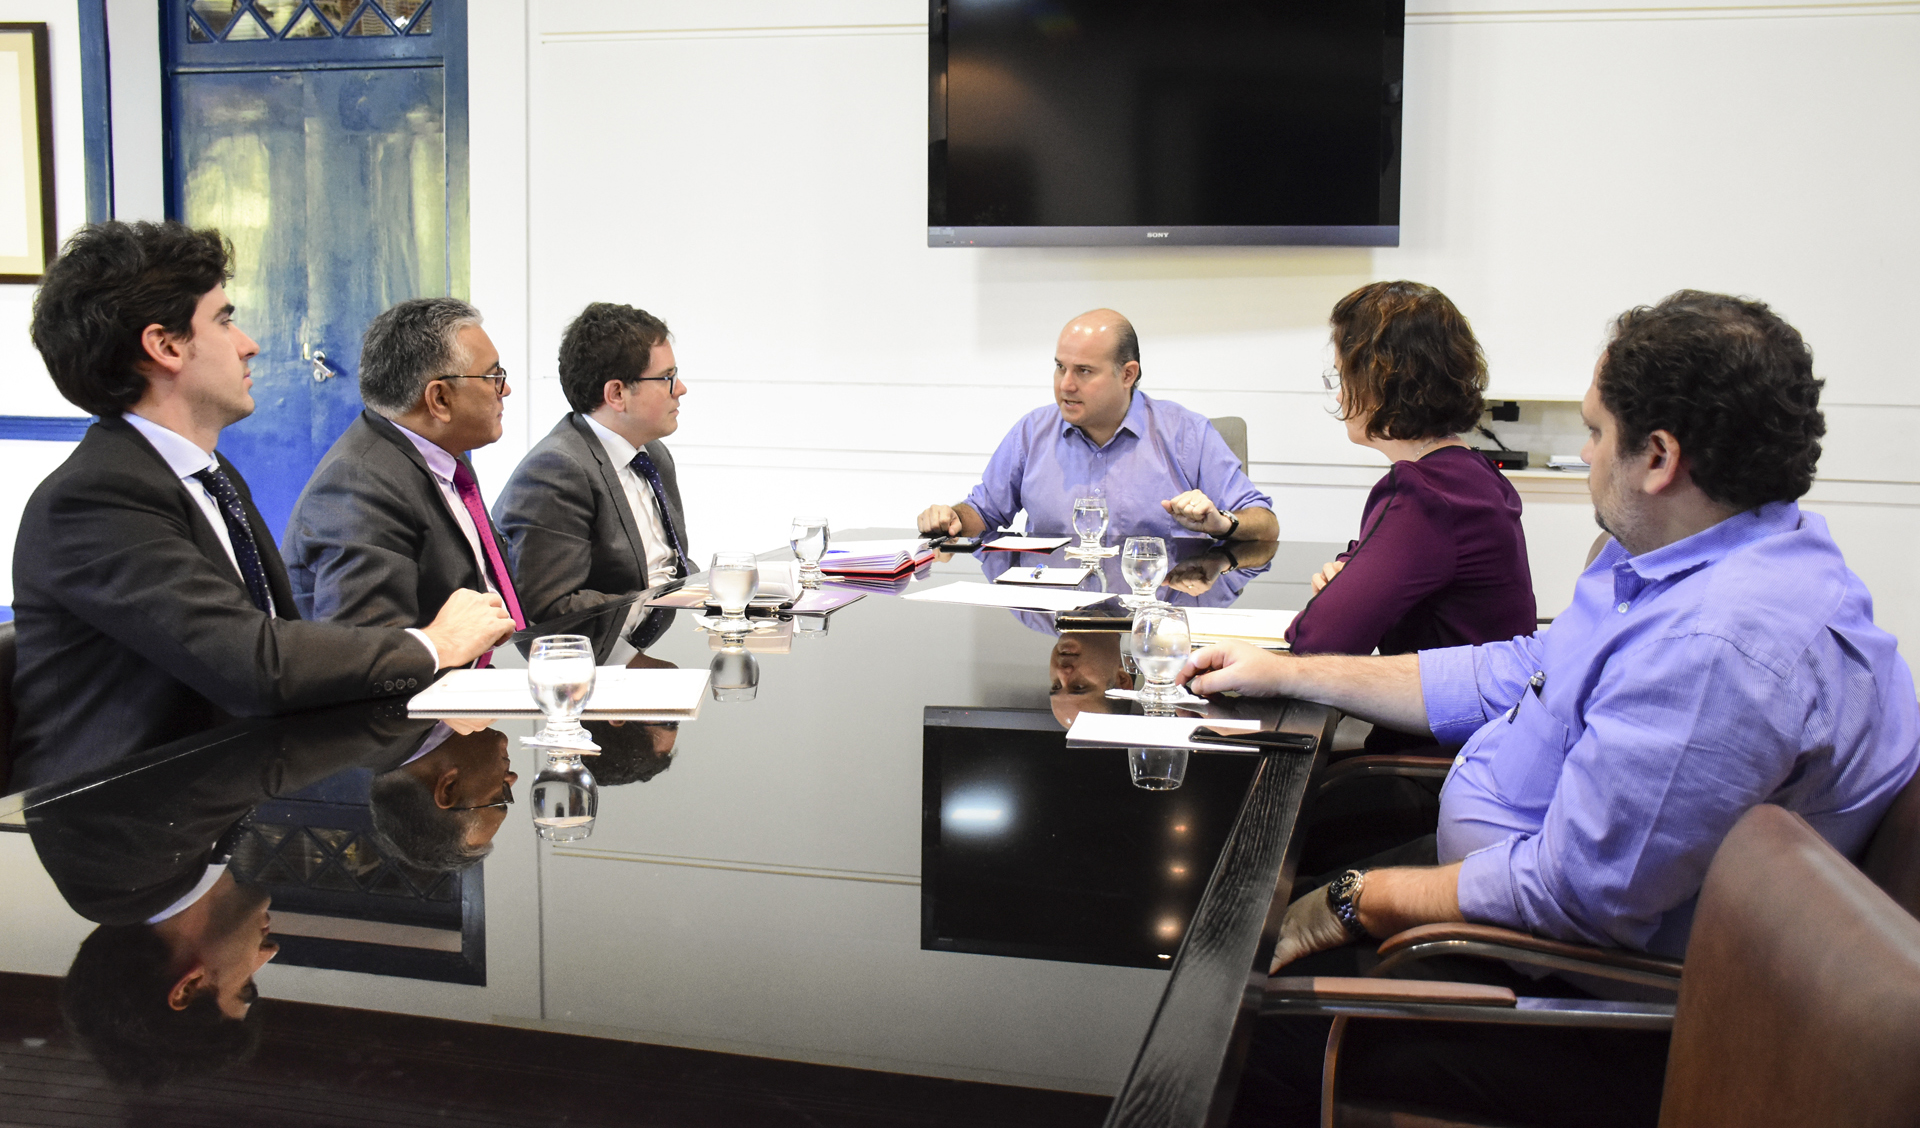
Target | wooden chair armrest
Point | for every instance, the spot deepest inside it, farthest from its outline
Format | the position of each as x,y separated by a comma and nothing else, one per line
1428,940
1320,988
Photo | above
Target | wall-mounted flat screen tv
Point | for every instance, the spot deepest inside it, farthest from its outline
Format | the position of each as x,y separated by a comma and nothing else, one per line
1152,122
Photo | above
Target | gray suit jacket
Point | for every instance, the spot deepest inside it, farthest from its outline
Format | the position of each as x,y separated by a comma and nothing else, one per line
568,526
371,540
136,629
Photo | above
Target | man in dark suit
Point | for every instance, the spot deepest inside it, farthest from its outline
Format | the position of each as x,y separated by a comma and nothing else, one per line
593,511
149,598
392,519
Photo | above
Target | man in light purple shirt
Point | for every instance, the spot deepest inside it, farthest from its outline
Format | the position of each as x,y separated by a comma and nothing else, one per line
1164,470
1718,654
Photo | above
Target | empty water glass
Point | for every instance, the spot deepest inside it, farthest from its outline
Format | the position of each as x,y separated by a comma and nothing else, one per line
1143,561
809,540
560,673
732,578
565,799
1161,643
1090,521
1157,769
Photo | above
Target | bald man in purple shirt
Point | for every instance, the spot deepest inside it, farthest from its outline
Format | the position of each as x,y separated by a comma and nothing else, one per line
1718,654
1164,470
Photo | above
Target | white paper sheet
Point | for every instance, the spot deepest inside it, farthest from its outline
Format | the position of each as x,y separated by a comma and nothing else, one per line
1026,544
1124,730
993,595
1260,627
619,694
1045,577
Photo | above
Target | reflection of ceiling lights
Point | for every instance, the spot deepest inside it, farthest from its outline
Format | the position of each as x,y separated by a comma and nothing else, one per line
977,812
1177,870
1168,928
1180,828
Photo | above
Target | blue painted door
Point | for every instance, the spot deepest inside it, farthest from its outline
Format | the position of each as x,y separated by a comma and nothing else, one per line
326,139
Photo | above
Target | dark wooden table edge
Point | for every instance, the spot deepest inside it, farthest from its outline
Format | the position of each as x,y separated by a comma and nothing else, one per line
1188,1067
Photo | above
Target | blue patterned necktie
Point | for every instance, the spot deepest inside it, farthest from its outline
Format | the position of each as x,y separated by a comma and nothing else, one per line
245,552
643,465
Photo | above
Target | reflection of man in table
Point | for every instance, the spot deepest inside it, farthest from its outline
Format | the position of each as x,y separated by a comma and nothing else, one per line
1083,667
1164,470
441,809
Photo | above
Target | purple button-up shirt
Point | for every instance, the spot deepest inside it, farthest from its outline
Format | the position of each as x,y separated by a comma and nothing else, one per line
1161,451
1683,686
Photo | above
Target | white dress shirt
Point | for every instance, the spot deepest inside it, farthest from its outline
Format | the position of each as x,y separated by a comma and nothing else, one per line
662,562
199,890
185,458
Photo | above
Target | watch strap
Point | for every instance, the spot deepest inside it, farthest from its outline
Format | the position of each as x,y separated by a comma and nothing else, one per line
1231,529
1343,896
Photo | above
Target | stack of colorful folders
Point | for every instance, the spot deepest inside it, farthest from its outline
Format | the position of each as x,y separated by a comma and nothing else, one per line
875,559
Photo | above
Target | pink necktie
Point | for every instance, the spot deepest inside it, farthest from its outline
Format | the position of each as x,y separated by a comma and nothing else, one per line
469,491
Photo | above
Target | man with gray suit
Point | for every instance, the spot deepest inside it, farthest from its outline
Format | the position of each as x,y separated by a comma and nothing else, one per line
594,510
392,519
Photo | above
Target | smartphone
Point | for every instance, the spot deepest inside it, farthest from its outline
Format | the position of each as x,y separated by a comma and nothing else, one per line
954,544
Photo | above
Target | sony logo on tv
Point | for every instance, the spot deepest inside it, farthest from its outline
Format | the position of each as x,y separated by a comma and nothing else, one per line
1157,234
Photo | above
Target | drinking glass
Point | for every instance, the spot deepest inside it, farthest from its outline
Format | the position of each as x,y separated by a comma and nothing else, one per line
560,674
810,538
1161,643
1144,564
565,798
734,674
732,578
1090,521
1157,769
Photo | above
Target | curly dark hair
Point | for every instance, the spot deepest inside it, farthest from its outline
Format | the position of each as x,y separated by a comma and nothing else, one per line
1727,378
606,342
1409,357
631,751
111,281
114,1003
410,828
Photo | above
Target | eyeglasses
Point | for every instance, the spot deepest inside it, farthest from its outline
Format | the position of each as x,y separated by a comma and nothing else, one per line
1330,379
498,377
672,375
506,789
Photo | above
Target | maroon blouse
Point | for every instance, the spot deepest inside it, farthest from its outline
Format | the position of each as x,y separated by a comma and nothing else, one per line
1441,561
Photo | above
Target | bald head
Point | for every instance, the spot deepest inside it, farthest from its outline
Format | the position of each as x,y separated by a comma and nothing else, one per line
1108,333
1096,363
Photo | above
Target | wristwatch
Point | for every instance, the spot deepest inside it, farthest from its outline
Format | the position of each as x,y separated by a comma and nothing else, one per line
1343,897
1231,529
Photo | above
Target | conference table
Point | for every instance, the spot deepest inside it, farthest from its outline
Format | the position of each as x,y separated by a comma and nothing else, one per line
873,848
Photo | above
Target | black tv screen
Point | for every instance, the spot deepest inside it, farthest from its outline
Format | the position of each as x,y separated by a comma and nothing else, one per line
1148,122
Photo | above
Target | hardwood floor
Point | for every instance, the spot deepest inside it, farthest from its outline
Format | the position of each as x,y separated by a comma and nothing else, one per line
330,1066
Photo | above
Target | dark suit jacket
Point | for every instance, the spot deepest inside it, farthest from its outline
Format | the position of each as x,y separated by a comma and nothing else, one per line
371,540
135,627
568,526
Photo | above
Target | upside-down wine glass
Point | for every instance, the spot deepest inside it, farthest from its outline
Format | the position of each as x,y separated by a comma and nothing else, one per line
809,540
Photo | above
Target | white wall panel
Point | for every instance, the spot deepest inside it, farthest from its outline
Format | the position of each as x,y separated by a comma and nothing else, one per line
754,174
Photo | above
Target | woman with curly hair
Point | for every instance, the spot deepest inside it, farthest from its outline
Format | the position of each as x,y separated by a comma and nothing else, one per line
1440,560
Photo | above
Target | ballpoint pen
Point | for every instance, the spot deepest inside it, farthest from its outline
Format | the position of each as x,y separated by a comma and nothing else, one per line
1040,571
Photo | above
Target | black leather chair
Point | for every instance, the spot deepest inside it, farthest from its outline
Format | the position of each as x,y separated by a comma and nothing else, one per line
6,703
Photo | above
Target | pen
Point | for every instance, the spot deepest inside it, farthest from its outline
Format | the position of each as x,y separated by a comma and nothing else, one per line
1040,571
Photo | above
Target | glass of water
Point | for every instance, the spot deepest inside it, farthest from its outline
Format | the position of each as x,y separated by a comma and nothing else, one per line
1090,521
809,540
1161,643
1157,769
1143,561
560,672
565,799
732,578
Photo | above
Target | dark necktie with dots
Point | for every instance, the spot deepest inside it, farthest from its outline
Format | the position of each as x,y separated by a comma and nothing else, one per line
240,532
643,465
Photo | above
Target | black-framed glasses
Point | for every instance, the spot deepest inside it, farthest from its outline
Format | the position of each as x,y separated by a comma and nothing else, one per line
506,789
668,379
1330,379
498,377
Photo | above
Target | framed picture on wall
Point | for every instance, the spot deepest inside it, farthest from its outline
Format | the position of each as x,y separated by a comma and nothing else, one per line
26,153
